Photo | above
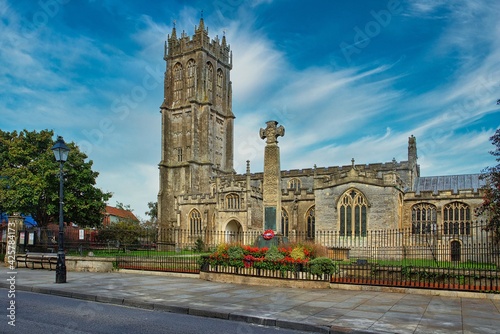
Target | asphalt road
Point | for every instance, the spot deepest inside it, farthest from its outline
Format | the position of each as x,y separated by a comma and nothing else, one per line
40,313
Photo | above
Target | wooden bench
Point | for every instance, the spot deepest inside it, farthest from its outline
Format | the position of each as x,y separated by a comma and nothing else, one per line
37,258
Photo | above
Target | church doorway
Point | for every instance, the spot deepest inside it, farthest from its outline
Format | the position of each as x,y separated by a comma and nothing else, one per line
233,231
456,251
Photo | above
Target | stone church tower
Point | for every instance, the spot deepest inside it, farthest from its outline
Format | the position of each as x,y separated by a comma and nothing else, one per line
197,119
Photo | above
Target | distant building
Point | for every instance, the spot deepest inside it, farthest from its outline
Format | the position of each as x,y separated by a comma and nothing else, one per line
199,189
114,215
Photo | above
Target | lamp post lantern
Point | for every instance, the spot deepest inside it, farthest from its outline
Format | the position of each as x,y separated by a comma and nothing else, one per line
61,152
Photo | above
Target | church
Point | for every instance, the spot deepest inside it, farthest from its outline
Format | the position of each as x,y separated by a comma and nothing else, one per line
199,189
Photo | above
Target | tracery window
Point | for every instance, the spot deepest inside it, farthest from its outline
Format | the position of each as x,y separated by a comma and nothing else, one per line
284,222
423,218
178,83
233,201
311,223
191,78
220,84
456,218
195,221
294,184
209,80
353,207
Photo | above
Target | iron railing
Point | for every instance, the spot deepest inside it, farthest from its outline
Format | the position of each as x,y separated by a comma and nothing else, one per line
439,257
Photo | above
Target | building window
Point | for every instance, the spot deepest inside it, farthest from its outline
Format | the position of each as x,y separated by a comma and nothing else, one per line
311,221
179,154
220,84
294,184
284,222
178,84
209,81
456,218
423,218
353,207
195,221
233,202
191,78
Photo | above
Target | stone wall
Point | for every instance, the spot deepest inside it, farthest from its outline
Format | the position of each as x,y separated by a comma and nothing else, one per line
90,264
383,207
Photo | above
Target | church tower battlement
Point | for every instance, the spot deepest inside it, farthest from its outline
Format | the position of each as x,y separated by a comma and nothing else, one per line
200,40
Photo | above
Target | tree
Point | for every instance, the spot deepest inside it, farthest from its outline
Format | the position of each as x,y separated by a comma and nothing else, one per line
123,234
29,182
491,199
153,215
121,206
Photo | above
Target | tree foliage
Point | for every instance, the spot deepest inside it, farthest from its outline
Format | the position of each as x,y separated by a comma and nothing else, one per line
29,180
152,214
491,199
121,206
123,234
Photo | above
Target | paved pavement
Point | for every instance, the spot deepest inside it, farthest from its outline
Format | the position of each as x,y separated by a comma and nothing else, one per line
315,310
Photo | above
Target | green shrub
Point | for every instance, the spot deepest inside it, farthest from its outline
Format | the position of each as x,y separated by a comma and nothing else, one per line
273,254
199,246
235,254
322,265
406,271
298,253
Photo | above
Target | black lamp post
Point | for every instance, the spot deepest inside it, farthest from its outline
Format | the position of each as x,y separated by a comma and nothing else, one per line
61,152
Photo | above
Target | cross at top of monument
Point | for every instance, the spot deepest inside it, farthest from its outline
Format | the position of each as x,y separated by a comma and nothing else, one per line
272,132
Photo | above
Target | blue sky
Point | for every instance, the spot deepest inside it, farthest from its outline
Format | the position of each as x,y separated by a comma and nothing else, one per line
347,79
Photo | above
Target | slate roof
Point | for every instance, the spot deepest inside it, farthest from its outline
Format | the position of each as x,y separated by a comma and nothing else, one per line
449,182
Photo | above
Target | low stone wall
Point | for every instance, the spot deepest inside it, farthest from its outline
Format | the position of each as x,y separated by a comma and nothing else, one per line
78,263
266,281
89,263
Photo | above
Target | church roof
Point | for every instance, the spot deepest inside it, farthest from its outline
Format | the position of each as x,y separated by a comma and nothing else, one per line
449,182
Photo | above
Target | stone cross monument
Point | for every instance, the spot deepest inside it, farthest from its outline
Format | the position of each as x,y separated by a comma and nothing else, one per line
272,176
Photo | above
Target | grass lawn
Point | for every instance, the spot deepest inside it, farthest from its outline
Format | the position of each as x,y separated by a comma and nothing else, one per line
428,263
114,253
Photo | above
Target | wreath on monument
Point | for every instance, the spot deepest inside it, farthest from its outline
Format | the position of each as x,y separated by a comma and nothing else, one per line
268,234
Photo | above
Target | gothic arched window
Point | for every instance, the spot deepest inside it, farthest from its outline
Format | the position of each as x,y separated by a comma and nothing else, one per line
456,218
233,201
423,218
195,221
220,85
353,208
209,80
178,83
284,222
294,184
191,78
311,222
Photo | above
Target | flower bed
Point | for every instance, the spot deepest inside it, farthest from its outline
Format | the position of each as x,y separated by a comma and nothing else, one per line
295,261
